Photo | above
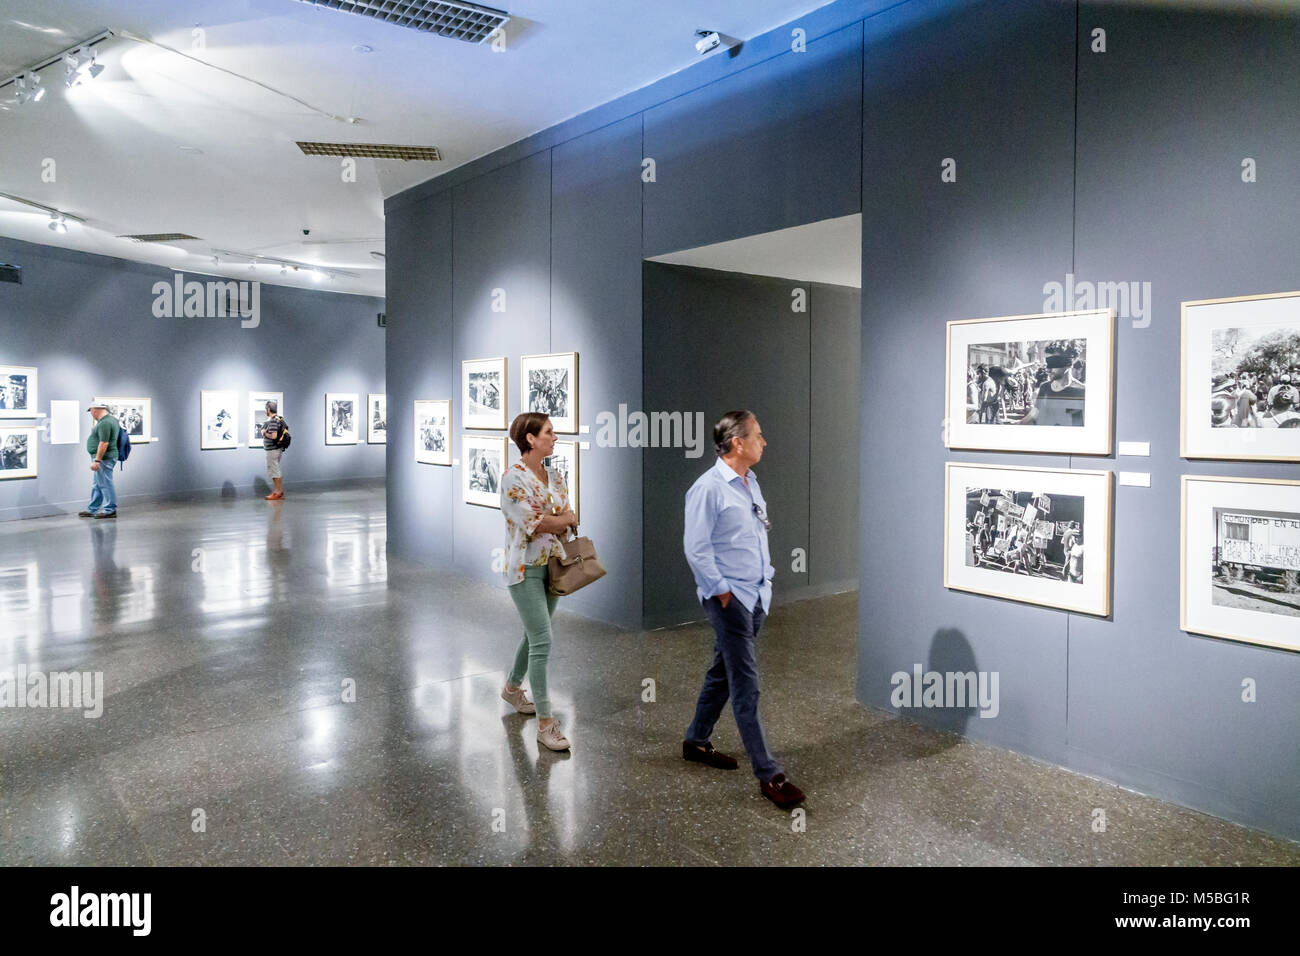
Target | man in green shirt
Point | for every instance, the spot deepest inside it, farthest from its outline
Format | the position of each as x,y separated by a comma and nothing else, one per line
102,447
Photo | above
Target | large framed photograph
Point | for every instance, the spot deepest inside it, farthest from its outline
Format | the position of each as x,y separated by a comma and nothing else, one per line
341,418
135,415
257,415
377,419
1241,378
218,419
550,386
433,431
564,459
1021,534
1032,383
482,462
17,452
17,391
1240,574
483,393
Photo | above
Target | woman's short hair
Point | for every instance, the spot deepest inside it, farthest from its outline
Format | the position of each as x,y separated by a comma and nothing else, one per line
731,425
272,407
528,423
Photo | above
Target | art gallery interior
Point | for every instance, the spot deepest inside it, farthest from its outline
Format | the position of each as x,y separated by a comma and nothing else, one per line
801,220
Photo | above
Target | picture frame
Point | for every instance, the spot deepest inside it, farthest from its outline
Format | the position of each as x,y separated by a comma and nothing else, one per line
565,459
482,465
341,412
432,431
1239,570
218,419
135,415
19,392
484,397
19,451
1054,371
549,384
376,419
1240,378
257,415
1019,533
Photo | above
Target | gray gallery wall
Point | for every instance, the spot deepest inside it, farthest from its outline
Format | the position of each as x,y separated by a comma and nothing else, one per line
724,340
1117,166
87,323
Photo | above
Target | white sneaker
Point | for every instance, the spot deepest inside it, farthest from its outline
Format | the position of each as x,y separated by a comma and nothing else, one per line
518,700
551,738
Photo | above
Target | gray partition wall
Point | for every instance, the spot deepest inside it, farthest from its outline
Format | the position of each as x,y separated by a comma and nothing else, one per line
87,323
1115,166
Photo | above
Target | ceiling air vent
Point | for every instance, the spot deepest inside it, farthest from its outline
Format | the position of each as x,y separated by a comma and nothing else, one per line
460,21
158,237
372,151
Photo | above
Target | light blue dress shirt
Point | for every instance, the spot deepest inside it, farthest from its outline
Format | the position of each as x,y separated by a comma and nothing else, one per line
725,541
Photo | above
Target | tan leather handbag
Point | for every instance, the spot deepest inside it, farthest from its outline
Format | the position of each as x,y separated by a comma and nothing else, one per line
575,571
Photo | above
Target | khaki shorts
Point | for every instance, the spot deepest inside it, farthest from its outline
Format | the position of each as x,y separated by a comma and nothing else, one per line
273,462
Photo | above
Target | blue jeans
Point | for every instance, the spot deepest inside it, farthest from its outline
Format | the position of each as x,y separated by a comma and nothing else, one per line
103,497
734,674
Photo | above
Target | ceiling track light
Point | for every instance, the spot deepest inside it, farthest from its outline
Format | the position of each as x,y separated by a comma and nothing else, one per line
55,214
79,65
58,223
317,273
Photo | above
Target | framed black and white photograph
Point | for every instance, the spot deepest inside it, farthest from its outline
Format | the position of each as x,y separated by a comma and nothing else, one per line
257,415
564,459
433,431
1241,559
17,391
550,386
482,462
218,419
377,419
341,418
483,393
1032,383
135,415
1241,378
18,448
1029,534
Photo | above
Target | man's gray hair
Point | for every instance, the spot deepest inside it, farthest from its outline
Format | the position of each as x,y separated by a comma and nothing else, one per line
272,407
731,425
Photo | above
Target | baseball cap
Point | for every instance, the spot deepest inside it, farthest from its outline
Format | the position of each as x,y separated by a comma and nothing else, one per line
96,405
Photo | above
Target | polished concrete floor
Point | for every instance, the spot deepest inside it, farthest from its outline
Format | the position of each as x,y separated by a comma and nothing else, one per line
226,631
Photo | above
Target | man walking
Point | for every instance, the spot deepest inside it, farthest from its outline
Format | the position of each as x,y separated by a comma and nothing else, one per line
102,447
726,547
273,432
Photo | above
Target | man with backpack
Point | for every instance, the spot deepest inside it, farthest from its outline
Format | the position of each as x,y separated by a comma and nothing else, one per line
102,447
275,439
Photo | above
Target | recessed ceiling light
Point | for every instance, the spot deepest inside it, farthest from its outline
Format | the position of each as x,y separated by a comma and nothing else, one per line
363,48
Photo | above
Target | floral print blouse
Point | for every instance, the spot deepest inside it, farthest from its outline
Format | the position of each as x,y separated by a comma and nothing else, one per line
525,500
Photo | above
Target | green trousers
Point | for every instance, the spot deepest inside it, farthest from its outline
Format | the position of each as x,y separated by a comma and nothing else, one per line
536,606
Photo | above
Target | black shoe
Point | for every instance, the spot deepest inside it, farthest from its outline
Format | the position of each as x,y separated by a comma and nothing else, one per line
85,514
107,514
782,792
706,754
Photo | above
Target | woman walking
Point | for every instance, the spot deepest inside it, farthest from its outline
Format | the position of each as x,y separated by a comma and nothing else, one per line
535,502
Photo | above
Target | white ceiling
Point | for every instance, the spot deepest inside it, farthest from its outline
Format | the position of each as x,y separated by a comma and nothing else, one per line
162,142
827,251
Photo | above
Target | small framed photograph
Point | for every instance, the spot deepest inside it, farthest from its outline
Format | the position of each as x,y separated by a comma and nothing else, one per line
1241,378
218,419
17,391
550,385
483,393
1021,534
135,415
257,415
564,459
482,463
18,447
1240,575
433,431
377,419
1032,383
341,418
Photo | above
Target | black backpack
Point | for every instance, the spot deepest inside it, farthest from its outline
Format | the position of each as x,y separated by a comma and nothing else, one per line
285,438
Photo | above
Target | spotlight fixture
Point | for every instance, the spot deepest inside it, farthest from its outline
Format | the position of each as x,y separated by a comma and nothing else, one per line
79,66
38,91
57,223
78,70
708,40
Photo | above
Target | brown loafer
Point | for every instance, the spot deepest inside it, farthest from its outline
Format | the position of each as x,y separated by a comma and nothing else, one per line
706,754
782,792
85,514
